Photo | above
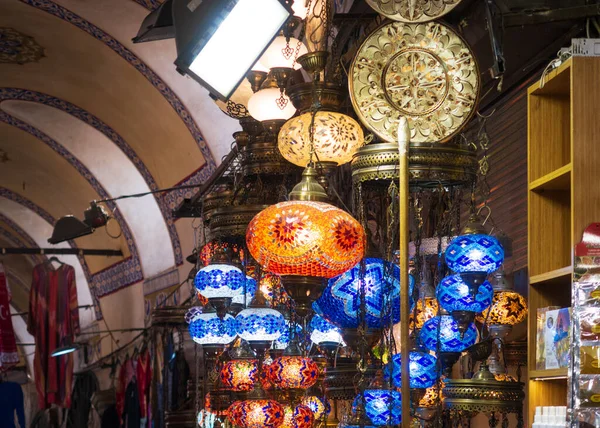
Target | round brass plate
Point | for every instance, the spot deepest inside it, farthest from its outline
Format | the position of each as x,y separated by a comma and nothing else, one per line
425,72
413,10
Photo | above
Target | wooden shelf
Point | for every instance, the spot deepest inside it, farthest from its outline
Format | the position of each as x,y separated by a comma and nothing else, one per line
557,82
554,276
548,374
559,179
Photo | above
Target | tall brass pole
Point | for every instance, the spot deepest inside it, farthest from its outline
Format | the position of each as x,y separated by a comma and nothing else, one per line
403,143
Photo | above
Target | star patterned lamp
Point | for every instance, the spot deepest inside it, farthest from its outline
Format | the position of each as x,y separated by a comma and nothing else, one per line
318,405
256,414
304,240
239,375
336,137
450,339
474,254
209,330
299,416
220,282
340,301
293,372
422,368
462,301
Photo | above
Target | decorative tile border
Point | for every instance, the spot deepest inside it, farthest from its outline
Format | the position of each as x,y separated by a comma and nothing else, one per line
19,238
149,4
119,275
72,18
86,117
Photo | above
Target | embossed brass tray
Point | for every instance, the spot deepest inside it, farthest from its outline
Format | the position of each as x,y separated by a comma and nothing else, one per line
413,10
425,72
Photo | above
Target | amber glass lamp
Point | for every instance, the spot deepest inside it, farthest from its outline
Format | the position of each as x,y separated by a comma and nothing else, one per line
299,416
305,240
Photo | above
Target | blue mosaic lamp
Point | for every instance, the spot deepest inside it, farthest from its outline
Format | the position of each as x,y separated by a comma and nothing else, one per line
259,325
322,331
220,282
284,340
474,254
209,330
383,407
462,301
422,368
450,338
244,299
340,301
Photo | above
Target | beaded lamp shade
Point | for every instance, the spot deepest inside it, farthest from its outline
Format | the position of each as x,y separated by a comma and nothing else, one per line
336,137
239,375
259,324
449,335
454,295
508,308
340,301
382,406
422,368
293,372
319,406
322,330
305,238
220,280
474,253
427,308
209,329
256,414
297,417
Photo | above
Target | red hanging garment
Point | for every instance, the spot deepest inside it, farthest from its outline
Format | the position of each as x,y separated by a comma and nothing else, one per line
54,321
8,346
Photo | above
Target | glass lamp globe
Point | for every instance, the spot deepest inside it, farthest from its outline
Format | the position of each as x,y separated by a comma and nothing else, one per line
246,298
422,368
209,250
336,138
284,340
208,329
293,372
305,238
256,414
426,308
322,331
219,281
282,53
340,301
239,375
478,253
449,335
508,308
270,104
259,324
454,294
383,407
299,416
319,405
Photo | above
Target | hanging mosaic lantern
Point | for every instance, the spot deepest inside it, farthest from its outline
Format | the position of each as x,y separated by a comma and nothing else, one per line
426,308
340,301
293,372
318,405
462,301
299,416
244,299
207,329
209,250
256,414
450,339
336,137
383,407
322,332
259,326
508,308
220,282
239,375
422,368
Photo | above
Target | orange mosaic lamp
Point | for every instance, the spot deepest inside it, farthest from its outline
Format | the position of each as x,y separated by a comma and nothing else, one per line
305,240
256,414
239,375
427,308
293,372
297,417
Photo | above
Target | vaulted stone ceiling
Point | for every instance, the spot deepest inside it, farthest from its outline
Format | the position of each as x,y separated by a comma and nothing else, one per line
87,115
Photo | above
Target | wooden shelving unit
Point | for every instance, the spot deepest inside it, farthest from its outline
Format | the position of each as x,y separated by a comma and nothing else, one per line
563,198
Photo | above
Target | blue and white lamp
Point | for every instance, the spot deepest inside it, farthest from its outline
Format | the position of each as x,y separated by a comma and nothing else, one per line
243,299
446,328
325,335
422,367
206,328
383,407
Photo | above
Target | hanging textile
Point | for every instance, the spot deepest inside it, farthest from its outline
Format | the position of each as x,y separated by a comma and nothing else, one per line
131,412
53,320
86,384
11,402
8,346
144,378
126,373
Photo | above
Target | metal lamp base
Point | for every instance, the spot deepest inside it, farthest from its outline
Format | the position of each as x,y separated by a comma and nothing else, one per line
304,290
